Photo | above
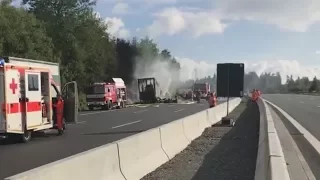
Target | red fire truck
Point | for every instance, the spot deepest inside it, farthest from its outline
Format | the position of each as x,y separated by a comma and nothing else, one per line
204,89
31,100
107,95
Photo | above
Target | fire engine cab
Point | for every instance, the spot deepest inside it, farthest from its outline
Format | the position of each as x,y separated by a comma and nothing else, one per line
30,99
107,95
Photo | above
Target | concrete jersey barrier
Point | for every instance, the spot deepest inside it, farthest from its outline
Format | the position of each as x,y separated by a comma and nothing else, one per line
220,111
195,124
133,157
271,164
141,153
173,138
262,163
100,163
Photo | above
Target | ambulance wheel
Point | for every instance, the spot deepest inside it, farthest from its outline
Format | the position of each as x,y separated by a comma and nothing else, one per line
26,136
60,132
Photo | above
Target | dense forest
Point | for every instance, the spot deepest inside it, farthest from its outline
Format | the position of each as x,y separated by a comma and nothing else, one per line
271,83
70,33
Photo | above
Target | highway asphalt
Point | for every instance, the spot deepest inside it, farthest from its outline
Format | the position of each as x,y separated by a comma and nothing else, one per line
303,108
96,128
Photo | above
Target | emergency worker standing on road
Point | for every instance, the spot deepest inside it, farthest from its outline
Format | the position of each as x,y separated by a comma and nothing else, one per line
198,95
212,100
59,113
254,95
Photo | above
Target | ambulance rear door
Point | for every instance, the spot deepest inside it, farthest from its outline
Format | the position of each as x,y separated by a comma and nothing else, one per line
32,99
2,103
14,118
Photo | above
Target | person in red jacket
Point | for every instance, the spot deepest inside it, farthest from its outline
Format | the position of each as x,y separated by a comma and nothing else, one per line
254,95
212,100
59,106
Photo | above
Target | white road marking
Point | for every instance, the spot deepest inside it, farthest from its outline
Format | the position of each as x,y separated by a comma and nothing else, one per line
99,112
301,102
142,106
134,122
318,106
178,110
140,111
80,122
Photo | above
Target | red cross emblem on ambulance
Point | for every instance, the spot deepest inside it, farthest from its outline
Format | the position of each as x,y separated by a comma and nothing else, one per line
13,86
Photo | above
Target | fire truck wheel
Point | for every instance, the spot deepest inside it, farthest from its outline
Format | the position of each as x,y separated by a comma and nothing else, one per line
109,105
120,106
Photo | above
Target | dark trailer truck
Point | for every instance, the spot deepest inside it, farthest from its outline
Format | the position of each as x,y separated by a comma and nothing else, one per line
148,90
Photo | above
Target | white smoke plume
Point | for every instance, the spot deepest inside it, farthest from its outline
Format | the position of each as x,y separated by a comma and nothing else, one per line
166,77
191,69
284,67
159,70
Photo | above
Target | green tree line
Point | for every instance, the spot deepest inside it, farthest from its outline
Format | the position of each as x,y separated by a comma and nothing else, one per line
69,32
271,83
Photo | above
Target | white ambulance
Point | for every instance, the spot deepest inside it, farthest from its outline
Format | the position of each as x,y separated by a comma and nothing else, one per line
31,100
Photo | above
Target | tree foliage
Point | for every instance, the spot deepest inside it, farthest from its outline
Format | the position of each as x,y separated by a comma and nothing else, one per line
271,83
69,32
23,35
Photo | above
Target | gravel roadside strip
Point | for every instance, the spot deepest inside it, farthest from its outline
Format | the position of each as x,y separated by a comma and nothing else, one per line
220,153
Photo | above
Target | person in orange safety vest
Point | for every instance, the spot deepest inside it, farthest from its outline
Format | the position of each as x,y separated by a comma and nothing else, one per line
254,95
59,105
212,100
